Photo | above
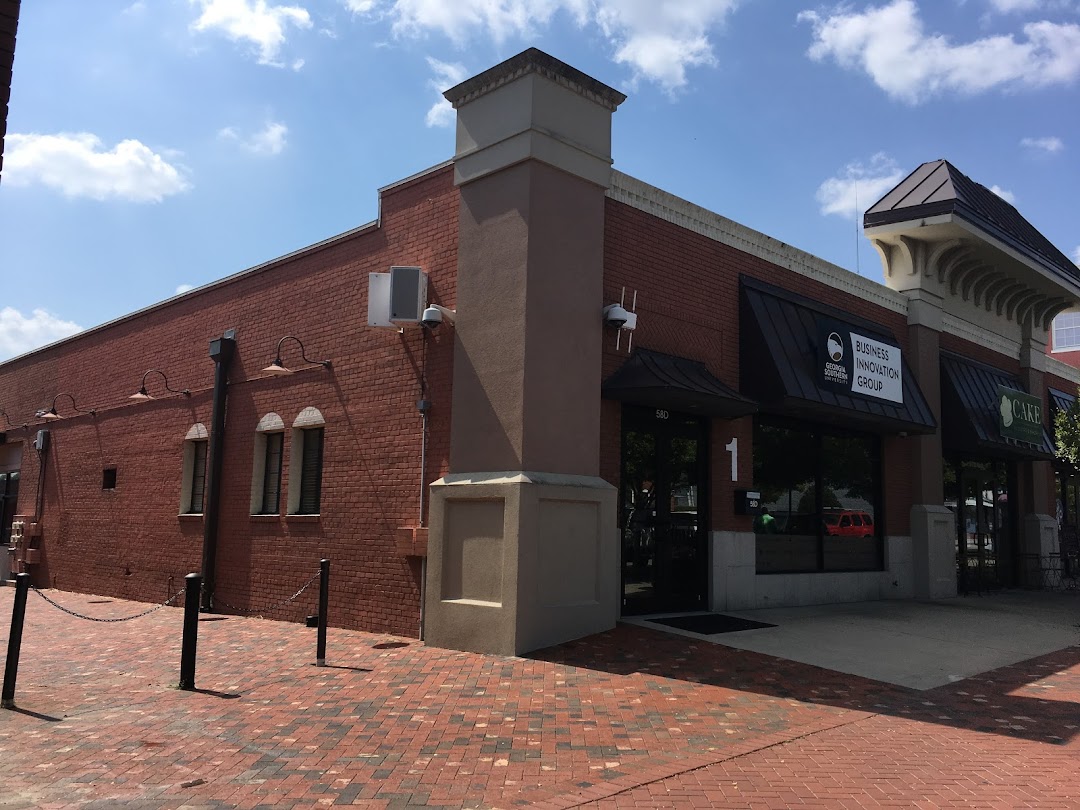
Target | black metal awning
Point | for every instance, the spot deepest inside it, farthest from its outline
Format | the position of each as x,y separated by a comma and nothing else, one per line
778,350
1059,401
969,411
660,380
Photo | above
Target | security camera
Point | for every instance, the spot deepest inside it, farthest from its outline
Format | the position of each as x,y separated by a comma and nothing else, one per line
615,316
435,315
431,318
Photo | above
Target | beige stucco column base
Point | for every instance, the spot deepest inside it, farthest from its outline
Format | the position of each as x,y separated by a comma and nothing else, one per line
520,560
933,551
1038,540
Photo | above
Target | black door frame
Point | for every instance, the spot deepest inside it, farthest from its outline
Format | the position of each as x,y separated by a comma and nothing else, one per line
1006,565
666,425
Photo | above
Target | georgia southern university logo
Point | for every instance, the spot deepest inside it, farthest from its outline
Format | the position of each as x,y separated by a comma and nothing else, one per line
835,347
835,370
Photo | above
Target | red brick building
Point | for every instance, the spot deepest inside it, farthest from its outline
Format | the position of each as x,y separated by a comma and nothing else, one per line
632,406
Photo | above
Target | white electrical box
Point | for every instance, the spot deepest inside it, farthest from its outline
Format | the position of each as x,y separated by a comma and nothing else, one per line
16,531
378,304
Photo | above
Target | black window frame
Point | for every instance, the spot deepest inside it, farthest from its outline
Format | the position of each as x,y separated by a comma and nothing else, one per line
309,491
271,483
197,482
818,431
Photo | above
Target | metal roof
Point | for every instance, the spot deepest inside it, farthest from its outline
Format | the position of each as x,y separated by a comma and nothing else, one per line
969,408
938,187
778,339
676,383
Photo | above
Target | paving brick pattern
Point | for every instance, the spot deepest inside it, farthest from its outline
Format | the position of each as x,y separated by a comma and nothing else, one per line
630,718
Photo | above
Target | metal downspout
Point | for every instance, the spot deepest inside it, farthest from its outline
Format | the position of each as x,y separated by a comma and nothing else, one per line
221,352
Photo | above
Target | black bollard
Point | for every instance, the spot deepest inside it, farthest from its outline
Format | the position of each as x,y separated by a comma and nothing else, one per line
324,597
18,613
193,584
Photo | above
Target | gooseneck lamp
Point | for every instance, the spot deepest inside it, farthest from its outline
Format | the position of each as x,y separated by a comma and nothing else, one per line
51,415
143,396
277,368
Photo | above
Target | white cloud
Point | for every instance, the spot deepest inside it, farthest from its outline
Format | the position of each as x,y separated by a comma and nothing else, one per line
858,186
360,6
183,288
254,21
658,39
1007,196
20,334
889,43
447,75
1050,144
78,165
1076,255
1010,6
270,141
138,7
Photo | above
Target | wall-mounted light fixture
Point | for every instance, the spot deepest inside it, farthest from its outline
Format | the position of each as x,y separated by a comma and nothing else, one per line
51,415
9,422
142,396
278,368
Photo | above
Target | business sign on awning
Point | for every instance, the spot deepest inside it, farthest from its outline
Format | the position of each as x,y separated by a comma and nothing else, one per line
859,364
1019,415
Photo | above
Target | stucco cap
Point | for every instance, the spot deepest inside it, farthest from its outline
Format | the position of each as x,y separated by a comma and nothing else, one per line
534,61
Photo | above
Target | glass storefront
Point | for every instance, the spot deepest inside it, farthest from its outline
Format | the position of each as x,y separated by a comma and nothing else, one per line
820,493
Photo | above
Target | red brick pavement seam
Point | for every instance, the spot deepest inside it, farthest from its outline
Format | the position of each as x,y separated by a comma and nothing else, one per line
625,784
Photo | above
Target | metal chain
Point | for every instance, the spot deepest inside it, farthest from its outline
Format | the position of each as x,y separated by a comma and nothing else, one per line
250,611
70,612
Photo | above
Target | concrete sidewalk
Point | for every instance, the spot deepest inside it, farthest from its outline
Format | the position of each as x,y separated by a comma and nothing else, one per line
629,718
920,645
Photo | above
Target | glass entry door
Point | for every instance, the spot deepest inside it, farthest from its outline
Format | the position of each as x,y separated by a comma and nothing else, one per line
978,494
663,512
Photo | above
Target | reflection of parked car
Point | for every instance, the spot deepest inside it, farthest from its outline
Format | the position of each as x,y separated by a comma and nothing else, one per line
844,523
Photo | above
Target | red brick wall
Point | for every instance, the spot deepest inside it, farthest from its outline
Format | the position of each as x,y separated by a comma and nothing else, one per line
683,281
9,23
130,543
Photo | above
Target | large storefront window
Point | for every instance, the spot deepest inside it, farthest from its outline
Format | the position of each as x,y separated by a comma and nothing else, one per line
820,489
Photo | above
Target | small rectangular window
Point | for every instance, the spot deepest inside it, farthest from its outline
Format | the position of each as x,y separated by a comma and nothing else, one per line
271,492
108,478
198,477
311,472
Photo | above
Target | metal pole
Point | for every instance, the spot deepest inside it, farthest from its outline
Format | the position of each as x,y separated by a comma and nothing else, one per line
324,598
18,613
193,584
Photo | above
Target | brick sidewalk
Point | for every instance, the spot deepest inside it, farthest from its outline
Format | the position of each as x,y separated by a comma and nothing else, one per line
630,718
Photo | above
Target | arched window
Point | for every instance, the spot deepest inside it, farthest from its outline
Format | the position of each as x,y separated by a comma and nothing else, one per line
305,463
266,466
193,486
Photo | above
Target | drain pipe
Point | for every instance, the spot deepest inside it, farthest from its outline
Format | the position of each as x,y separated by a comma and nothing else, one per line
423,405
221,352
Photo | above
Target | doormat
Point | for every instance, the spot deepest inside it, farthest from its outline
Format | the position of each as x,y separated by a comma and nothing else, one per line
710,624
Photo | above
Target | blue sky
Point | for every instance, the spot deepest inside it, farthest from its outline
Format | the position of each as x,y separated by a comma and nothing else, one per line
161,144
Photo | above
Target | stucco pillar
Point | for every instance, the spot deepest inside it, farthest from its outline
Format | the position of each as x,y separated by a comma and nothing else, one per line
933,526
522,543
1038,527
